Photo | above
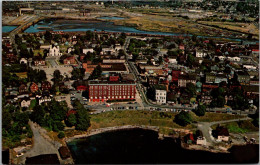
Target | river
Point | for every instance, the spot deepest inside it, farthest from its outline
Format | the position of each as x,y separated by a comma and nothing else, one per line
82,25
138,146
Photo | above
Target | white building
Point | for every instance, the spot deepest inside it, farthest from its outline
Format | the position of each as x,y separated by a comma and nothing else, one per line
200,53
160,96
26,103
173,60
85,51
201,141
23,60
54,51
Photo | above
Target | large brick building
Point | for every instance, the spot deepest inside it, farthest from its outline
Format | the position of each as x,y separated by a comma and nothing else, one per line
101,91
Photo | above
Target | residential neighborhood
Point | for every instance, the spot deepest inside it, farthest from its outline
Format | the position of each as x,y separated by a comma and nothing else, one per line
61,82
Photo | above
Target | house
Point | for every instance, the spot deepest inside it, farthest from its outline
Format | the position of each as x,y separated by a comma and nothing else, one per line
243,77
46,85
173,59
25,102
23,88
160,94
210,77
54,51
221,133
201,53
201,141
23,61
44,99
185,79
64,152
38,61
85,51
34,87
152,80
220,78
175,75
69,60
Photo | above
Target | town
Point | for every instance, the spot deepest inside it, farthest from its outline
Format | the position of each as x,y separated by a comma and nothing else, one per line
58,83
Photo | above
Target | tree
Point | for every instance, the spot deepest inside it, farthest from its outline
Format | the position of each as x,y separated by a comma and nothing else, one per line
38,114
57,77
200,110
190,89
183,118
190,60
61,135
96,73
48,36
72,120
83,119
160,60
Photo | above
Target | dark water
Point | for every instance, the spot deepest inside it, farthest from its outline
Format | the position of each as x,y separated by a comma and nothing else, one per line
143,146
6,29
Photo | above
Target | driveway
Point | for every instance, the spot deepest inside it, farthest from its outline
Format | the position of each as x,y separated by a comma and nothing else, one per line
205,128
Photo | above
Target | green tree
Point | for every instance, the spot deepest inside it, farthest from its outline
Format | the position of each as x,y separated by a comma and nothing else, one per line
38,115
72,120
61,135
83,119
190,89
200,110
183,118
96,73
57,77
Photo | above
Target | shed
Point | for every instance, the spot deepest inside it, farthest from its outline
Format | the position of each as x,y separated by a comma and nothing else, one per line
64,152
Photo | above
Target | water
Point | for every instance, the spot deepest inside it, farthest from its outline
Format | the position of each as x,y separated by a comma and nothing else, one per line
111,18
6,29
143,146
75,25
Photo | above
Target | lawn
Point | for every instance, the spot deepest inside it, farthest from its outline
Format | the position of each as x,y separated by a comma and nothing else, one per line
21,74
32,105
130,117
210,116
239,127
153,118
37,51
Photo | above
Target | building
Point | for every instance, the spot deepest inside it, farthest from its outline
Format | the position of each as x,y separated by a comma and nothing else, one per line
54,51
85,51
25,102
23,88
38,61
184,79
222,133
69,60
210,78
200,53
46,85
243,77
160,94
34,87
102,91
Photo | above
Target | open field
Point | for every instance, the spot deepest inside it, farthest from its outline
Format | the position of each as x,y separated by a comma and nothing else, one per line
239,127
241,27
211,117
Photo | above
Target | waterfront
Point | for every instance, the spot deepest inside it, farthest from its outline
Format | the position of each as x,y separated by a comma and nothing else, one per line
143,146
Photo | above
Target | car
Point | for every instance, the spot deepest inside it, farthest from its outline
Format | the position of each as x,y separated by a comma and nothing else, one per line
18,155
72,94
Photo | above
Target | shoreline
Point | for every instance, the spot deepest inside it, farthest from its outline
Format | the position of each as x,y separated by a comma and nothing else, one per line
110,129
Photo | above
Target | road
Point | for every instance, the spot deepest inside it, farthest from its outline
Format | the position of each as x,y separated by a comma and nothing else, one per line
205,128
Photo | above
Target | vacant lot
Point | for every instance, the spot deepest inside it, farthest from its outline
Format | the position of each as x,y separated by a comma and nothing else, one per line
239,127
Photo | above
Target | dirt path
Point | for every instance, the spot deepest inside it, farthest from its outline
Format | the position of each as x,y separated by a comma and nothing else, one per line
40,144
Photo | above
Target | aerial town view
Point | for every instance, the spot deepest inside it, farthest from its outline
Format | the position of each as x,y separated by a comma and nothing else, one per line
130,82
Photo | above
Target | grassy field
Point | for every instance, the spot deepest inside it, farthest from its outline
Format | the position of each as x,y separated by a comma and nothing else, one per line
239,127
210,116
37,51
241,27
118,118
